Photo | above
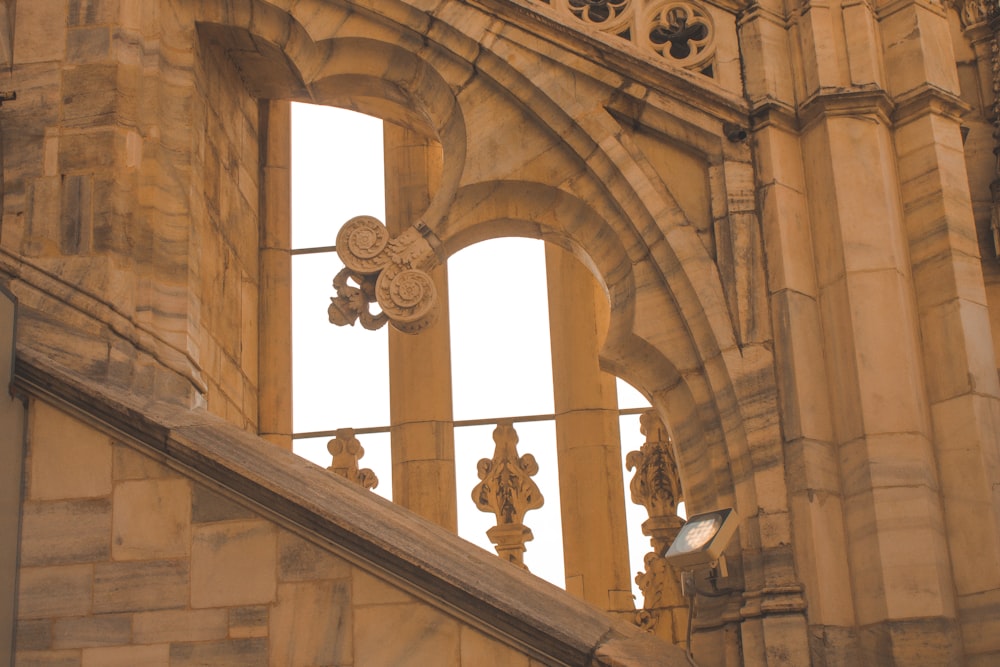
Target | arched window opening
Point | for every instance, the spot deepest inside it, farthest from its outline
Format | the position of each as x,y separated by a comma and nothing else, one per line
499,326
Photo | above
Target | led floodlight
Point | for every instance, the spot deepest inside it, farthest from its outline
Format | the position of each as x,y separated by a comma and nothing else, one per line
702,539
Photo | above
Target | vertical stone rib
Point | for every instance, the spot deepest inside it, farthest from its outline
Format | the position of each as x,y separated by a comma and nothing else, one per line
423,436
592,494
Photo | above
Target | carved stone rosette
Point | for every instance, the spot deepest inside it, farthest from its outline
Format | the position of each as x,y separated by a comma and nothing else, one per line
347,451
508,491
389,271
657,487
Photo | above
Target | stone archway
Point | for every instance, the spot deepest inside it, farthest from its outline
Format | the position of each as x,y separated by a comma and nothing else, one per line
572,177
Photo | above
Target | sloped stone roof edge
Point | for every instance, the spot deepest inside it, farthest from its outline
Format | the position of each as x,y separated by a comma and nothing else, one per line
448,570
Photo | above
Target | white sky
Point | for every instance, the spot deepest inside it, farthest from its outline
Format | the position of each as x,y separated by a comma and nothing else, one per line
499,328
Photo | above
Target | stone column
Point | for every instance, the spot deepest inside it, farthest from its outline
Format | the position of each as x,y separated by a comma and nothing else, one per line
423,436
274,392
595,548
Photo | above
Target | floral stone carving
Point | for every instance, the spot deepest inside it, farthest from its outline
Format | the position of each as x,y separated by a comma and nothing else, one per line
389,271
508,491
657,487
347,451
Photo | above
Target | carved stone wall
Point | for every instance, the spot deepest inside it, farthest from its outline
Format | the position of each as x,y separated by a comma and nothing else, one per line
788,247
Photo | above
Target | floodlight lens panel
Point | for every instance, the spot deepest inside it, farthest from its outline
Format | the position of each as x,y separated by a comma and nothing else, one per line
697,534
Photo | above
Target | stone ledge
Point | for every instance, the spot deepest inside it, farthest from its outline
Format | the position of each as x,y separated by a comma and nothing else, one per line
447,571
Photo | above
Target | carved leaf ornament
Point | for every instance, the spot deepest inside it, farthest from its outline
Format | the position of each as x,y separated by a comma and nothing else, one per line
656,484
506,488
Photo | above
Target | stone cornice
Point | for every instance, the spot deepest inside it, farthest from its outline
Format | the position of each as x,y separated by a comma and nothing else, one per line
889,8
770,112
873,102
928,99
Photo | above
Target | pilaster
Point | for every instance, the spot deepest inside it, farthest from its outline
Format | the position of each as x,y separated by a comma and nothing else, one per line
274,394
592,495
956,341
423,436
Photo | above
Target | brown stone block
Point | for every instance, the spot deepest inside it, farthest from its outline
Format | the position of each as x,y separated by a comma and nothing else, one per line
369,590
130,463
54,591
483,651
243,652
958,349
248,621
41,32
47,658
63,532
978,614
91,12
311,624
912,641
299,560
43,217
33,634
88,44
880,461
152,519
208,506
97,630
420,635
899,534
887,366
87,151
90,95
157,655
140,585
947,276
233,563
179,625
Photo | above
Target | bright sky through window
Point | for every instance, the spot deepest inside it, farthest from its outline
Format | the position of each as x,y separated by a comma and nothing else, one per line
499,329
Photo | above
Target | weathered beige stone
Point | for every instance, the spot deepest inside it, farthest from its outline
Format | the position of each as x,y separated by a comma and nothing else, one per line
478,649
63,532
141,585
157,655
299,560
250,652
97,630
311,624
233,563
421,634
64,590
246,622
145,202
178,625
68,459
152,519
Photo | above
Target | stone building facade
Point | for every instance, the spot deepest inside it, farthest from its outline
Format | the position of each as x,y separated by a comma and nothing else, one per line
778,220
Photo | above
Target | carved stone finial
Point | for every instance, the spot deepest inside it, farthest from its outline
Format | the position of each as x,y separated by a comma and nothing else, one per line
508,491
657,484
390,271
346,451
657,487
